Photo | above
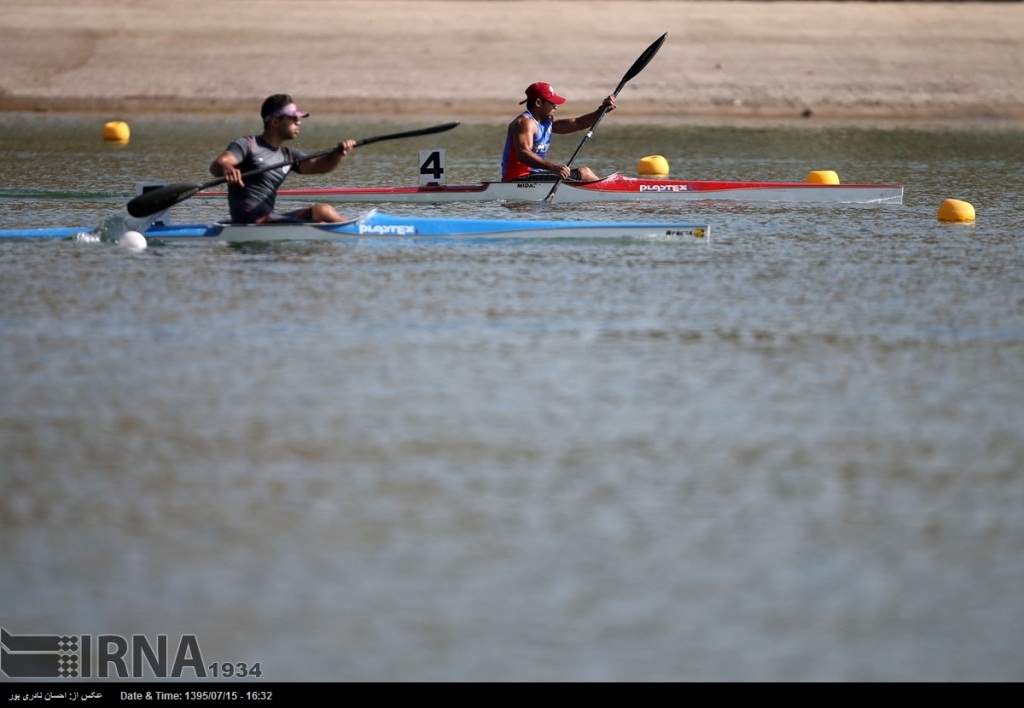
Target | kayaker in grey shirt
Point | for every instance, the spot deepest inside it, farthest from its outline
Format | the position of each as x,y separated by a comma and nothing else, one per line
252,200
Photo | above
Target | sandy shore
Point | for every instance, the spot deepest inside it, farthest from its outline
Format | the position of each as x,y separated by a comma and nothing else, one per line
475,57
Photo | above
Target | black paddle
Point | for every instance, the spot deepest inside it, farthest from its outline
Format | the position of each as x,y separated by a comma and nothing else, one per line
157,200
638,66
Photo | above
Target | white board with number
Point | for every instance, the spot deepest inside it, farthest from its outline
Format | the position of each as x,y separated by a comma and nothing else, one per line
432,169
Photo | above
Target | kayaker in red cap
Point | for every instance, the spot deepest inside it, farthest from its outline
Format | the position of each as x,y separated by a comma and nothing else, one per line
529,137
252,201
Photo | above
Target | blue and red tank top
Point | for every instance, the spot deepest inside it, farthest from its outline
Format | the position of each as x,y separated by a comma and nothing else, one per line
511,167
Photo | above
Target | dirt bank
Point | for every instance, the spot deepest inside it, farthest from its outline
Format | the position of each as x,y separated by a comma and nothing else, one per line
475,57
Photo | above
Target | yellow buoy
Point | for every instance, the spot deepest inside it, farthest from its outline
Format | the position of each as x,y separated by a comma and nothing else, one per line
116,131
822,177
652,166
956,210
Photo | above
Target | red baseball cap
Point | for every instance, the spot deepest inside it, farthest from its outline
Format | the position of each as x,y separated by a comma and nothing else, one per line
542,90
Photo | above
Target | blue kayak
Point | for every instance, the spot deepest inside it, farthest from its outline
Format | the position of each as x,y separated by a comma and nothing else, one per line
374,224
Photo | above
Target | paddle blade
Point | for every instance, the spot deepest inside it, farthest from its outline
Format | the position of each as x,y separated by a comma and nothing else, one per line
409,133
156,200
642,61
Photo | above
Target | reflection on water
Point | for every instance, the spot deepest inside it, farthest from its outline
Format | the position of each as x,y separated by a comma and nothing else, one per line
791,455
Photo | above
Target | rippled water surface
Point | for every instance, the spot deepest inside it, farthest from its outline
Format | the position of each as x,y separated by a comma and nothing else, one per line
792,454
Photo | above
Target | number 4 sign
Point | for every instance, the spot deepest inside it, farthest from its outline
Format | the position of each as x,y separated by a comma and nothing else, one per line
432,168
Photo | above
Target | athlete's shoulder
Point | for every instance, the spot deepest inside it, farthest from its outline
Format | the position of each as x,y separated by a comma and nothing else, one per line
524,122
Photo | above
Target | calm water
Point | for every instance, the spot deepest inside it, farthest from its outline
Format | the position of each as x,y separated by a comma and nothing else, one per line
793,455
